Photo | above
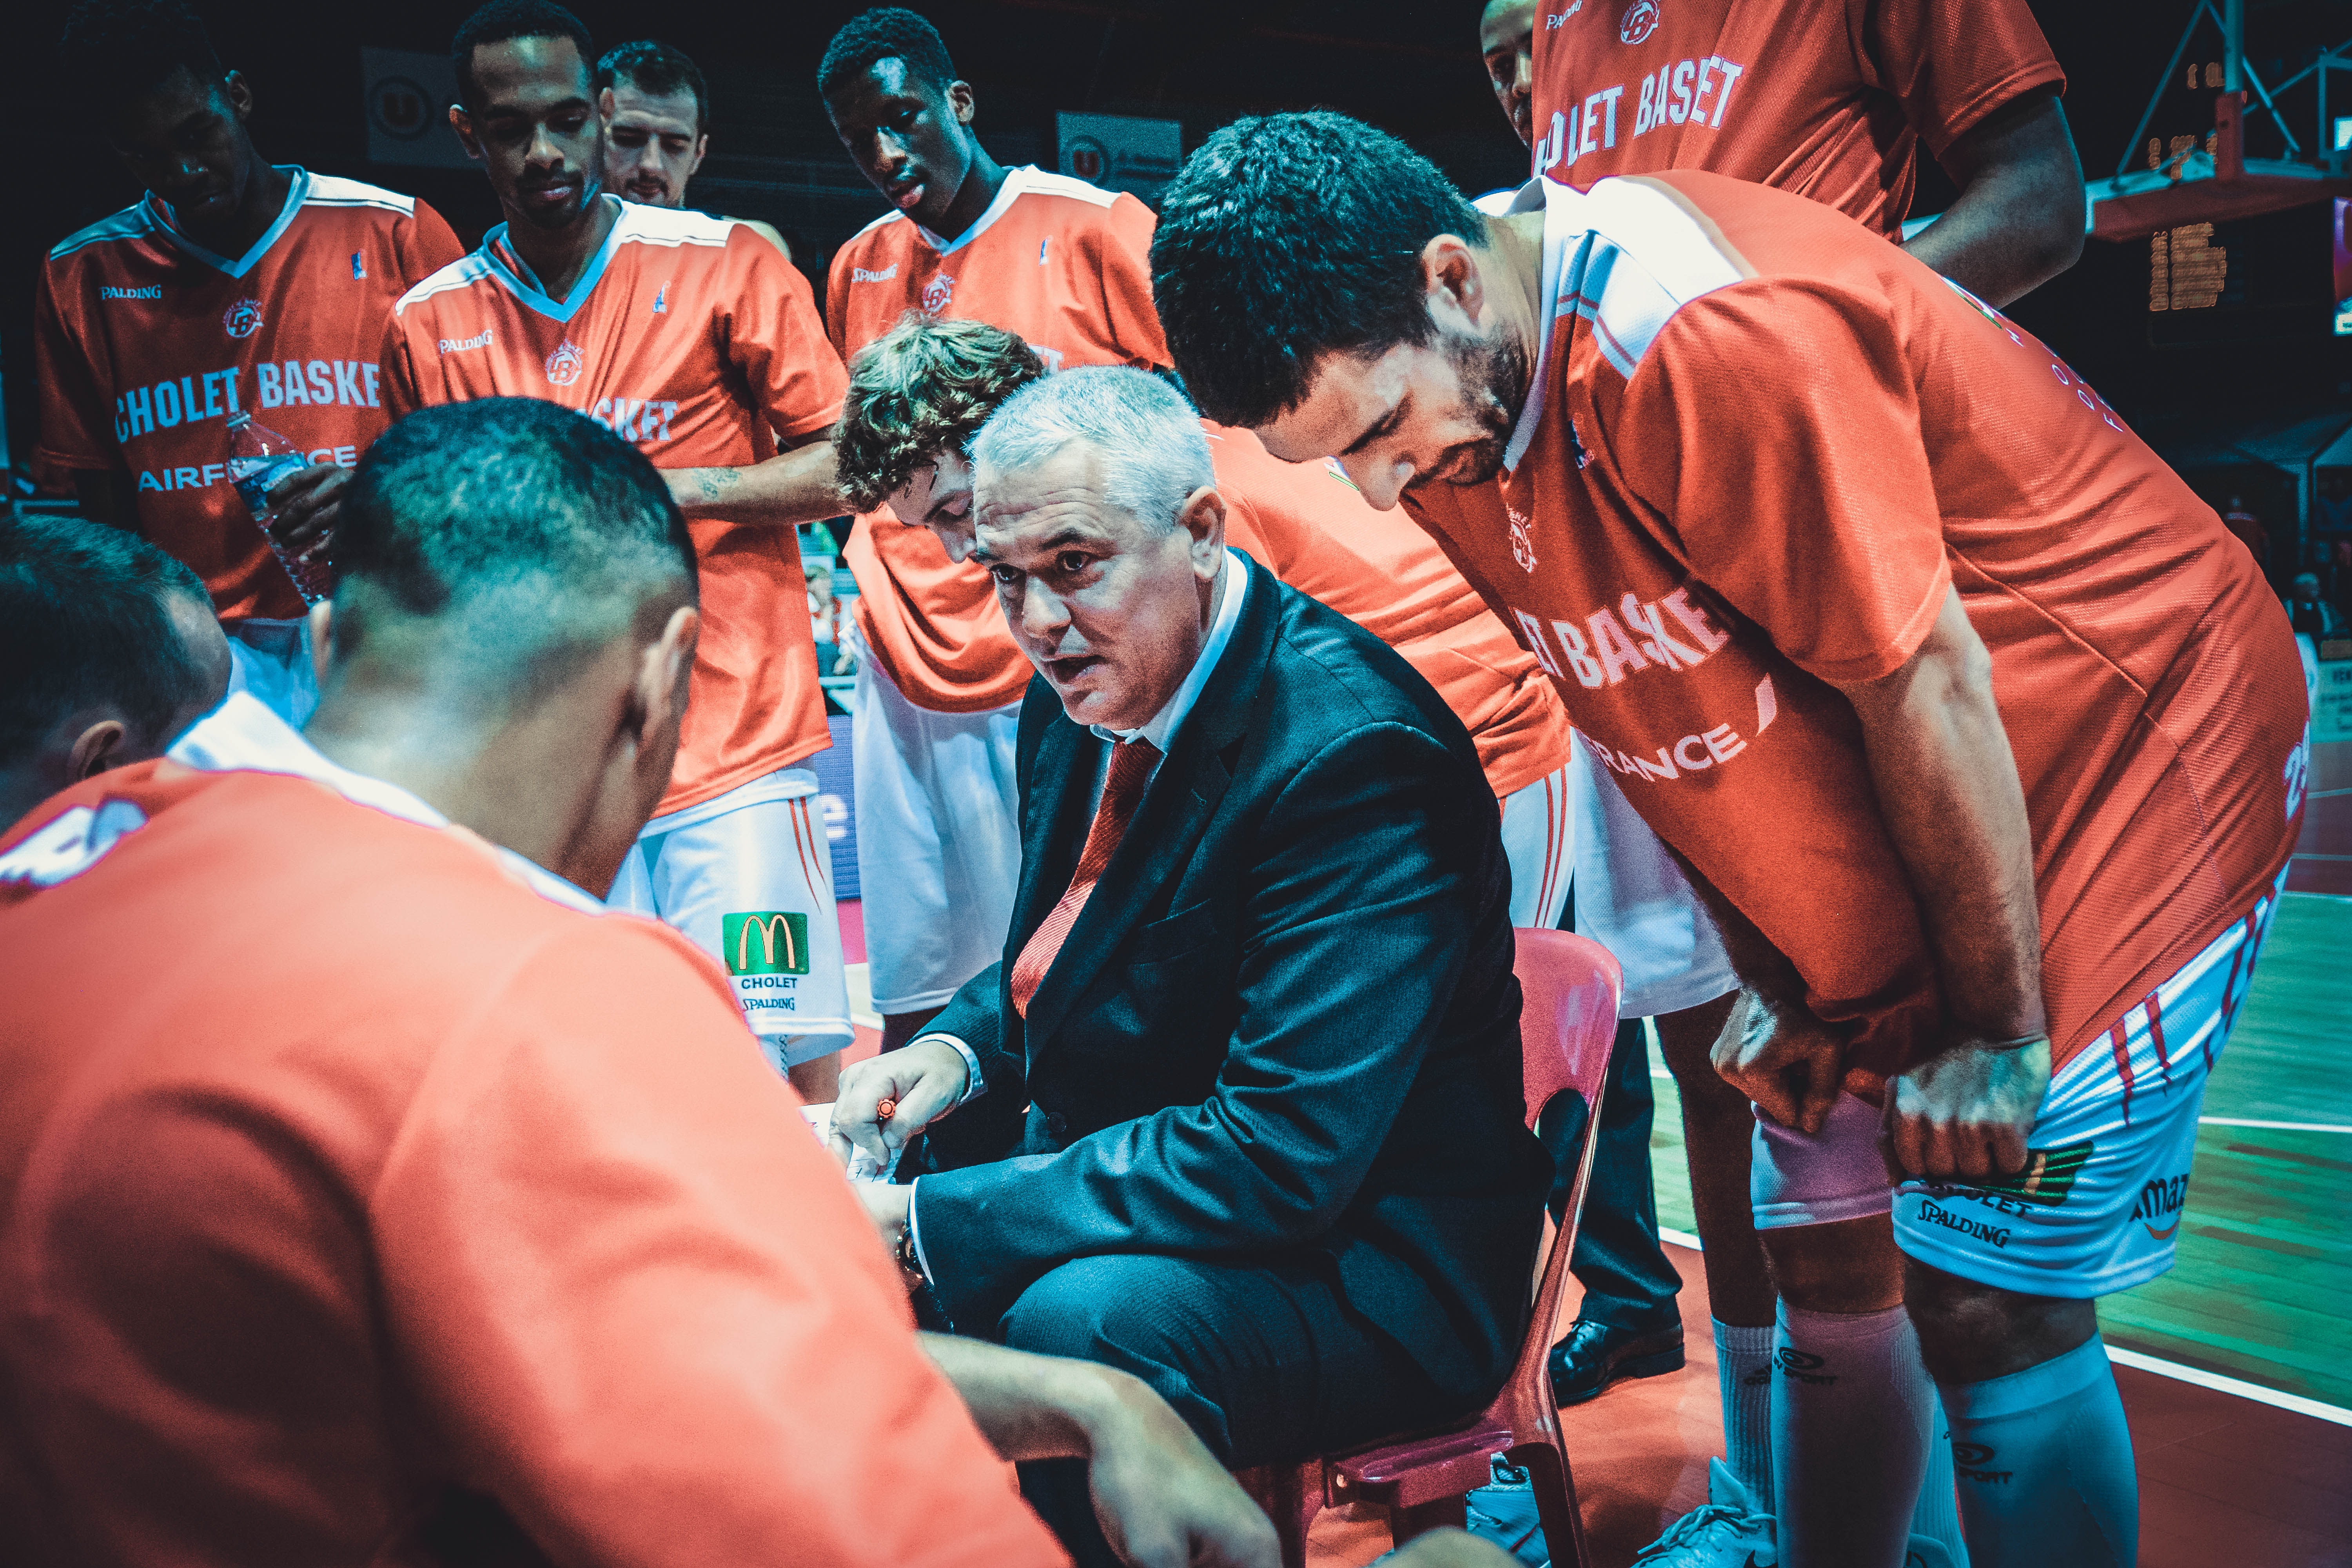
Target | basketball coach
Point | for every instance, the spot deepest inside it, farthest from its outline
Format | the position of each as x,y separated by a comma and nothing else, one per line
1239,1111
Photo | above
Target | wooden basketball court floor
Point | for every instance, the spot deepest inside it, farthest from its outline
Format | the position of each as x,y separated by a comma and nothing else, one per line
2235,1368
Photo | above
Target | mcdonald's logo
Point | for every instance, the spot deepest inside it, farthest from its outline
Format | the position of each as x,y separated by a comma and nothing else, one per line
765,942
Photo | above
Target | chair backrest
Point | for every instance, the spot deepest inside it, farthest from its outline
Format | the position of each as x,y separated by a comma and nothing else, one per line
1568,1028
1568,1019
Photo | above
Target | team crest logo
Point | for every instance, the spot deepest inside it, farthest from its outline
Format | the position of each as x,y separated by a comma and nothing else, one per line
1523,549
937,292
242,319
1641,20
563,366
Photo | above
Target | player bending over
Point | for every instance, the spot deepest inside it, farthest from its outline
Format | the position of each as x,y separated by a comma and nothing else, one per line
1850,583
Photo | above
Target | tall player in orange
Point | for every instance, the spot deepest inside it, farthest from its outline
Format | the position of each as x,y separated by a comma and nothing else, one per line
1852,585
1837,108
694,339
232,286
1062,264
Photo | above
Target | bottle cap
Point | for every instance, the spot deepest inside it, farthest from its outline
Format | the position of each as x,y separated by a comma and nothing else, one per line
239,418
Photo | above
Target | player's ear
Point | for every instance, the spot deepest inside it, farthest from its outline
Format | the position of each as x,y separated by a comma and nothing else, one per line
462,124
1204,518
239,94
97,749
1450,268
961,101
605,104
702,146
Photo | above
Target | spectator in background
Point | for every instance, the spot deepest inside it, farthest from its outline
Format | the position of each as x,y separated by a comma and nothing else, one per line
2240,520
110,648
2311,614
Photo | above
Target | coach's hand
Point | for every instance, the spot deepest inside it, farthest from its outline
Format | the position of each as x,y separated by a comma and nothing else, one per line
1782,1058
302,507
923,1082
1963,1114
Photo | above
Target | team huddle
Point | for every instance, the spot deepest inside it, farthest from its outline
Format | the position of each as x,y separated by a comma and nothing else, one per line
1925,752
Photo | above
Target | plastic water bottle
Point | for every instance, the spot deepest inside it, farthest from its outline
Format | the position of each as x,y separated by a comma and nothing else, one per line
258,458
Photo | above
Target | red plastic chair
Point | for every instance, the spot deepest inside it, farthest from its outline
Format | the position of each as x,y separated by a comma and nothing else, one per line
1567,1029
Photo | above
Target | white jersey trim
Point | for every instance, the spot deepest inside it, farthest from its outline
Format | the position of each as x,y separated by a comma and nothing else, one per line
334,191
242,735
1025,181
130,223
1624,255
462,273
298,190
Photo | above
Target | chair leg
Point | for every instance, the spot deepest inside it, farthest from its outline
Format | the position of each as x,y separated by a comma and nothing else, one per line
1405,1523
1291,1495
1555,1493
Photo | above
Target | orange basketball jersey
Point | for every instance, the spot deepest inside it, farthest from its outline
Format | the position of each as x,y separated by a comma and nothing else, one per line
1830,99
694,338
1761,447
1066,267
1305,524
146,343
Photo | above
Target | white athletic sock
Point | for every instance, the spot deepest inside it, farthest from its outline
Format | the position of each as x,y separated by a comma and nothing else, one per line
1937,1516
1743,1368
2045,1459
1850,1407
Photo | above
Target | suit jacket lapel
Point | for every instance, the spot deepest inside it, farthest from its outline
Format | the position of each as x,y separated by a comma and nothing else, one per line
1183,796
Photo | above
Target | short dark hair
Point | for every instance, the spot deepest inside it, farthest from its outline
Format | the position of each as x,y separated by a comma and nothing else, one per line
503,537
923,388
499,20
1287,238
886,33
657,70
115,52
86,618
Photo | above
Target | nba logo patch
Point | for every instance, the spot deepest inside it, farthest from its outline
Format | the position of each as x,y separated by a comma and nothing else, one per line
1639,21
661,301
563,366
358,267
937,292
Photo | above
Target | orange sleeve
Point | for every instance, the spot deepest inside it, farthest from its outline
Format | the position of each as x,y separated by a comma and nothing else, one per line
1122,246
402,394
772,332
426,244
836,304
1804,497
77,428
640,1299
1951,64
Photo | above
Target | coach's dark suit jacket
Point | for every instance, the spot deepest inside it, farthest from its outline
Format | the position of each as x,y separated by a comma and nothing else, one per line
1286,1021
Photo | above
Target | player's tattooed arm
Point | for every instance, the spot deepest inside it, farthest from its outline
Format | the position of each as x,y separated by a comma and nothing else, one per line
791,488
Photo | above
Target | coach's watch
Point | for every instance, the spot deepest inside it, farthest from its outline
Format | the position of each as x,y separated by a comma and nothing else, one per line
908,1264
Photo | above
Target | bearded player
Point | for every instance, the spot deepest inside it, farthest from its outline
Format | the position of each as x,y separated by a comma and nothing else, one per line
233,285
695,340
656,112
1848,581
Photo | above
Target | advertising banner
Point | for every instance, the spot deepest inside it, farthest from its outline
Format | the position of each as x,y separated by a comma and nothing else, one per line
1119,153
406,98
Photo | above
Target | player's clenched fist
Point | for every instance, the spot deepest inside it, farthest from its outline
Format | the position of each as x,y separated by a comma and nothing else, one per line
923,1083
1963,1114
1782,1058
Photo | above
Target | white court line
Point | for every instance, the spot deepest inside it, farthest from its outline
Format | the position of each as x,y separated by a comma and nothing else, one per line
2274,1126
2316,1409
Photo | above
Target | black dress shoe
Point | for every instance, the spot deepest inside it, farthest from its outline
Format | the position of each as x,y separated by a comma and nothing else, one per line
1595,1355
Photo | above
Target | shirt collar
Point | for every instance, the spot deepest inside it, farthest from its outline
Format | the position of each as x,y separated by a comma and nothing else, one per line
298,190
1232,586
1016,184
1563,223
242,735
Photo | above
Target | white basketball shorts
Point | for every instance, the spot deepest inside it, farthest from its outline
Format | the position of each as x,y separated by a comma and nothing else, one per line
939,841
2098,1205
749,879
1539,841
1633,899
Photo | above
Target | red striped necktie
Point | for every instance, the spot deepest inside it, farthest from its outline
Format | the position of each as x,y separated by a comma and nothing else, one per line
1131,763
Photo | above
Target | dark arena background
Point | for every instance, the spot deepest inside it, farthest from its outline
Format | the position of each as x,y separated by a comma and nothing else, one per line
2219,331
